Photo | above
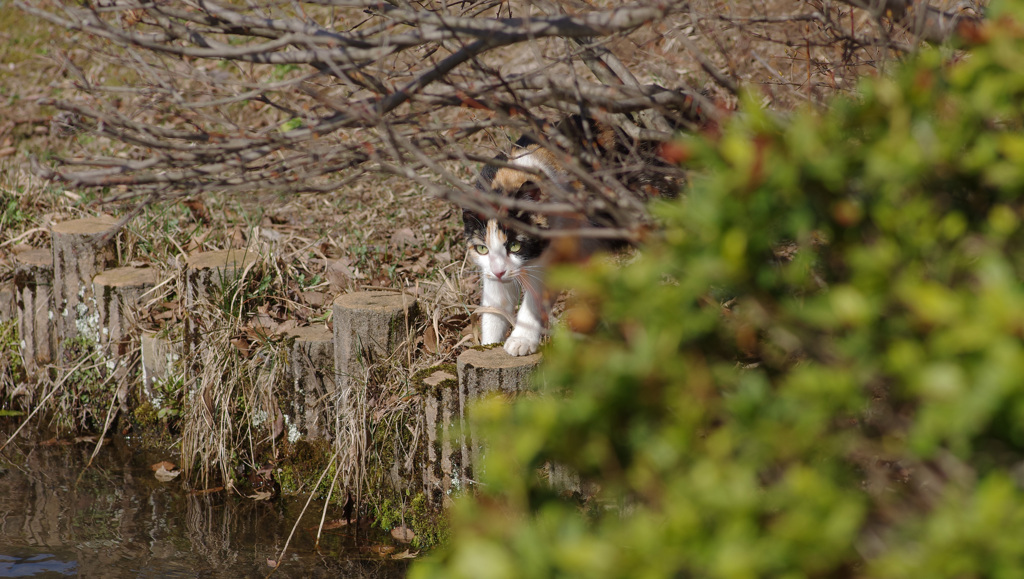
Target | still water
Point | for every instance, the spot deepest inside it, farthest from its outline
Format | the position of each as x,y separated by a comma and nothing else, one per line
115,519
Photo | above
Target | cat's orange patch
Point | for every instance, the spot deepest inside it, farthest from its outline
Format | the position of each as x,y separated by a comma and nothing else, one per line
508,181
495,236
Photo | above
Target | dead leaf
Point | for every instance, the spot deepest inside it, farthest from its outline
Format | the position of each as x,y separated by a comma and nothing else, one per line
315,299
430,340
420,267
271,234
402,238
208,405
163,464
340,274
287,326
278,423
198,210
242,345
271,563
164,315
456,322
381,550
263,323
403,534
330,525
405,555
164,475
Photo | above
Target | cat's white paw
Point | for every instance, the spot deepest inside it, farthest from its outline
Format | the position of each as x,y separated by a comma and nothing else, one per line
518,346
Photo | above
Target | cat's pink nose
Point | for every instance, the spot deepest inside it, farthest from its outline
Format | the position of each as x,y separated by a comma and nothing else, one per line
499,274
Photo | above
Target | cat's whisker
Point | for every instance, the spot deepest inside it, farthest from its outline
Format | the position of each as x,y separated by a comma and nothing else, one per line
523,276
508,293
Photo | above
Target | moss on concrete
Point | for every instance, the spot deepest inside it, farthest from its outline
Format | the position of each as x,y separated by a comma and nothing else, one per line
431,390
303,464
429,523
11,367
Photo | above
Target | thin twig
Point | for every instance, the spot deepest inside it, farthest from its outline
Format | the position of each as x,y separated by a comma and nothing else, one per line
280,557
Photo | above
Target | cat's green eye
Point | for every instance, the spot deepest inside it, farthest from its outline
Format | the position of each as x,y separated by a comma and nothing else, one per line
481,249
515,246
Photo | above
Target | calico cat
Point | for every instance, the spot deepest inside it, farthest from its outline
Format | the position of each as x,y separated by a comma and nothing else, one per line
511,261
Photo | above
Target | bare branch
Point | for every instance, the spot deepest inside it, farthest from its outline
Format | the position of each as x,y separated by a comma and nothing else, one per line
923,20
311,95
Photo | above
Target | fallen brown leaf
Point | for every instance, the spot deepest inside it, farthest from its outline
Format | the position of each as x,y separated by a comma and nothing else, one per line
164,315
330,525
278,423
242,345
208,405
164,475
430,340
403,237
315,299
403,534
340,274
381,550
287,326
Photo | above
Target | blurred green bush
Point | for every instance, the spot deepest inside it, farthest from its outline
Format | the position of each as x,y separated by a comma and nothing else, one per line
818,371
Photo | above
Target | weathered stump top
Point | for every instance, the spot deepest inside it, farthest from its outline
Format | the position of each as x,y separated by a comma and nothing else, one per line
85,226
127,277
439,377
496,357
378,300
222,258
34,258
311,334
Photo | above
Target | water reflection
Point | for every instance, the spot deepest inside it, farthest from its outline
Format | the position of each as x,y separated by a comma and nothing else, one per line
40,565
115,519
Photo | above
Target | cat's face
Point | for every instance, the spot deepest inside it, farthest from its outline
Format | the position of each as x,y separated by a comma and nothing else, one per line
499,249
501,252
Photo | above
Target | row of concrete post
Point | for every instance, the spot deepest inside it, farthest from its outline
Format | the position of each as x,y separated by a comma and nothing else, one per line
75,291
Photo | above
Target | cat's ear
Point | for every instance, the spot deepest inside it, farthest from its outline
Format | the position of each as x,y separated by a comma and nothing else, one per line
472,217
529,191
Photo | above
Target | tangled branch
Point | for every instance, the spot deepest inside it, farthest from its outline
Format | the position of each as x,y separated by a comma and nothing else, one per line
285,97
